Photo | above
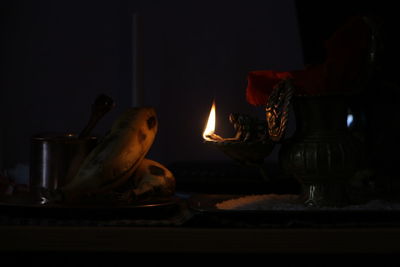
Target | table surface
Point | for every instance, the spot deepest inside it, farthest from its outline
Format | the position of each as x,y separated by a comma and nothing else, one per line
199,238
205,240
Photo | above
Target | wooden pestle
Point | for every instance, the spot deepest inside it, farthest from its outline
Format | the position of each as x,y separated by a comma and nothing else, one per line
100,107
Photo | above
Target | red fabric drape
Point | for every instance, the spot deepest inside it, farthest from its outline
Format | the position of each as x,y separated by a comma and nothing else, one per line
341,71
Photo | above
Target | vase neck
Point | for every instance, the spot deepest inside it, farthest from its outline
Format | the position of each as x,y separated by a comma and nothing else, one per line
320,113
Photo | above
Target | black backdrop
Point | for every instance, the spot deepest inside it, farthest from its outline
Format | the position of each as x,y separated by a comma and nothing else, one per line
56,56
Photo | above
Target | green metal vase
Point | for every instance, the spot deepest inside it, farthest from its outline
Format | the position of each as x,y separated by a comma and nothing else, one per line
322,154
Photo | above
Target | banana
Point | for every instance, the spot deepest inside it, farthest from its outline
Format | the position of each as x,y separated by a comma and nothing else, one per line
116,157
152,180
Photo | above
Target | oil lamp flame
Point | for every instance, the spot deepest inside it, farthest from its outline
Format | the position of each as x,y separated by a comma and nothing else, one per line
210,127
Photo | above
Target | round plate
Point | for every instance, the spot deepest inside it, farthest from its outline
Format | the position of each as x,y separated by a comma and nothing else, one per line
141,210
205,205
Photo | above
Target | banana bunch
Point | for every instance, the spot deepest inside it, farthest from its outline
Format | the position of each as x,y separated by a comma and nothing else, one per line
119,159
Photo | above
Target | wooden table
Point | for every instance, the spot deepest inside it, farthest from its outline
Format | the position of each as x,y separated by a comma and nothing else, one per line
203,240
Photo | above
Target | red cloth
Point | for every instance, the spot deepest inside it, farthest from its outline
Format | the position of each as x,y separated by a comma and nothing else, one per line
341,72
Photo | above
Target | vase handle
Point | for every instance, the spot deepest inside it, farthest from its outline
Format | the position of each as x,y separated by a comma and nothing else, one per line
277,109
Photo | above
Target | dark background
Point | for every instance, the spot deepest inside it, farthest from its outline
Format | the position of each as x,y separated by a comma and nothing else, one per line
57,56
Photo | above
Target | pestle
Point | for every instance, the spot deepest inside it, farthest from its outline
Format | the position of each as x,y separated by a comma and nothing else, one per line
100,107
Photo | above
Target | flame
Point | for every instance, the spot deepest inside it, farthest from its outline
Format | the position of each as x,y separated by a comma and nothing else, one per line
210,128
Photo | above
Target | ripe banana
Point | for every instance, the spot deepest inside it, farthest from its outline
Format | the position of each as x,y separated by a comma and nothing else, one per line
116,157
152,180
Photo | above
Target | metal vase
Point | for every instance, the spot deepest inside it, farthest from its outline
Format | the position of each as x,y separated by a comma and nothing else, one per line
54,160
322,154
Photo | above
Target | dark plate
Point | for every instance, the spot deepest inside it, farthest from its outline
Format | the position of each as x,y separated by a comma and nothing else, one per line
157,209
205,207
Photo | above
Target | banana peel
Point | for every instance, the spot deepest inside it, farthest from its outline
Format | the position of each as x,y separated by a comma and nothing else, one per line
151,180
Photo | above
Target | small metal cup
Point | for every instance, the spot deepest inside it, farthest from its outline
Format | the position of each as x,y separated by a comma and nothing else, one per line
55,160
